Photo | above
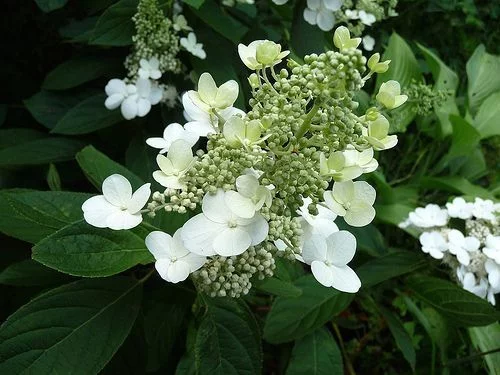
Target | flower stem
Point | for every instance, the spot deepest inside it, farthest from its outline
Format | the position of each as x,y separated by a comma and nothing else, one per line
306,124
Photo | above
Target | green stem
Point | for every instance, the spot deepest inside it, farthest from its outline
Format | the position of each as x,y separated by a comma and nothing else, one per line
347,362
307,121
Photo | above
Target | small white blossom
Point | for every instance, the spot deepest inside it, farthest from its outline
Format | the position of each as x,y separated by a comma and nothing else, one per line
348,164
390,96
429,216
117,91
377,134
492,248
249,197
137,101
469,282
261,53
170,96
352,14
117,208
149,69
484,209
434,244
368,43
219,230
328,258
320,12
493,270
192,46
280,2
459,208
366,18
342,39
461,246
175,165
352,200
172,133
180,23
174,262
321,224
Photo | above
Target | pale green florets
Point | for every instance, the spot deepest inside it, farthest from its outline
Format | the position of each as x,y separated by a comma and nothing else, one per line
231,276
425,98
155,37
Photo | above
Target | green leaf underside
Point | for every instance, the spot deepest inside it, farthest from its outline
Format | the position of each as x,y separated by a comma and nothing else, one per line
294,317
228,341
82,250
33,215
75,328
449,299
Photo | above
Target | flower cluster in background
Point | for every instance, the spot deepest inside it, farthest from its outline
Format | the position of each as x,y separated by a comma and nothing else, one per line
156,46
272,181
357,15
466,237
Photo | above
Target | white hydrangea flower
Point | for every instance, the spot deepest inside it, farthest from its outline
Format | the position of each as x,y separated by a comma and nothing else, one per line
117,208
492,248
170,95
193,47
470,283
328,258
352,14
342,39
377,134
175,165
493,270
459,208
209,96
429,216
348,164
174,262
368,43
280,2
389,95
320,12
139,104
219,230
484,209
261,53
249,198
434,244
240,133
149,69
352,200
461,246
366,18
172,133
117,91
180,23
321,224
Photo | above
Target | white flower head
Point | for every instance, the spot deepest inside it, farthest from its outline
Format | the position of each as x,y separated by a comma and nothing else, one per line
261,53
429,216
493,270
368,42
117,208
377,134
209,96
389,95
139,103
240,133
172,133
219,230
434,244
149,69
461,246
175,165
352,200
348,164
249,197
484,209
320,224
174,262
328,258
193,47
366,18
321,13
471,284
459,208
180,23
492,248
352,14
117,91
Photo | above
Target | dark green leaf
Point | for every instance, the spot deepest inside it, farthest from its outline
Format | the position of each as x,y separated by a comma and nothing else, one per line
32,215
30,273
403,339
288,271
486,121
228,341
75,72
368,238
50,5
98,166
87,116
482,73
306,38
293,317
75,328
115,26
140,158
12,137
465,138
277,287
79,31
194,3
316,354
82,250
53,178
455,184
386,267
457,304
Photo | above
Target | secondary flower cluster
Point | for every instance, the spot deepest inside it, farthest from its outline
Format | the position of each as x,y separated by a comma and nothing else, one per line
466,237
157,43
271,181
356,14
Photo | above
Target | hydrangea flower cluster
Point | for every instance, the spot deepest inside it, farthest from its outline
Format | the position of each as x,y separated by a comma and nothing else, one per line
466,237
272,181
156,45
356,14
